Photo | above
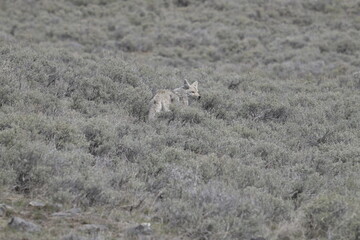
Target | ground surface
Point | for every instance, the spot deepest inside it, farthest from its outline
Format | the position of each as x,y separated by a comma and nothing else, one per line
271,150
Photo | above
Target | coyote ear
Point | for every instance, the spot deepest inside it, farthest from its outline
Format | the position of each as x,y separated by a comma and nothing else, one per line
195,84
186,84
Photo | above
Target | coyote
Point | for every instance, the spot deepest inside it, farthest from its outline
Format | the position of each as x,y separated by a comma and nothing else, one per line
164,98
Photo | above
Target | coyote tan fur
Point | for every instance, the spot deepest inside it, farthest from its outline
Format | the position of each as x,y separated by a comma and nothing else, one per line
164,98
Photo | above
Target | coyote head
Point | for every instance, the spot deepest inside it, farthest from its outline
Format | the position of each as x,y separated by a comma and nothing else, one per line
192,89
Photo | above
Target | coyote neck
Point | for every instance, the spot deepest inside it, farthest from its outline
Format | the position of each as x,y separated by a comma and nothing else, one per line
181,93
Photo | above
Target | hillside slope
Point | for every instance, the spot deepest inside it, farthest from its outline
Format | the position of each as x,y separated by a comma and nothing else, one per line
271,151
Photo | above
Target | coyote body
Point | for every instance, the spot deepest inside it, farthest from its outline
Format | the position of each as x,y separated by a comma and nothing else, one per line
164,98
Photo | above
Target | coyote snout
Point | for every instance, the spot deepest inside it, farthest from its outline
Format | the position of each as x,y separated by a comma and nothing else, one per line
164,98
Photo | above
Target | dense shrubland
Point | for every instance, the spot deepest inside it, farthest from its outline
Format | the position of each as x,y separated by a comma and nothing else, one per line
271,150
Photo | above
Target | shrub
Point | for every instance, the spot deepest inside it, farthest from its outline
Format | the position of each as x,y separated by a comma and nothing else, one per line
265,112
27,166
100,136
323,215
136,102
132,43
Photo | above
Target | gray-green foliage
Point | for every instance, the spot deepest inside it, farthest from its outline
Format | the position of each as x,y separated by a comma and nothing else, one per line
270,150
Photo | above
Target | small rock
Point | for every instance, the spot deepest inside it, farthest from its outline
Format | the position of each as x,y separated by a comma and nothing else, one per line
68,213
58,205
25,212
3,209
74,210
93,228
37,204
62,214
23,225
72,236
141,229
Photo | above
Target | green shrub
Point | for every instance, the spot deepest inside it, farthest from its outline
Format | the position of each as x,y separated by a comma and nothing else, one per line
266,111
136,101
323,215
100,136
27,166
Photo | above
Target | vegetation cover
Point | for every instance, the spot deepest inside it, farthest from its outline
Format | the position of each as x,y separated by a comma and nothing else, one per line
271,150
